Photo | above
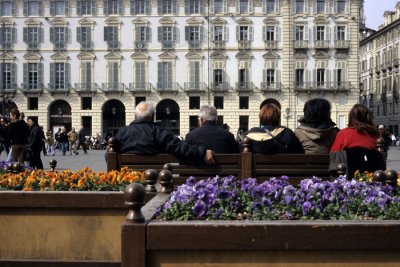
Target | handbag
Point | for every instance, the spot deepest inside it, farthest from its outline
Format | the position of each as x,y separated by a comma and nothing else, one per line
28,154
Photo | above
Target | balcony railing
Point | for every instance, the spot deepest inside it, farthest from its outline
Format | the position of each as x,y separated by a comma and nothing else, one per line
32,87
33,46
396,62
321,44
86,46
59,46
244,44
220,87
59,87
113,45
271,44
140,45
86,87
244,86
194,44
271,87
300,44
139,87
112,87
167,86
194,86
383,67
7,46
342,44
328,86
218,44
8,87
167,45
341,86
299,86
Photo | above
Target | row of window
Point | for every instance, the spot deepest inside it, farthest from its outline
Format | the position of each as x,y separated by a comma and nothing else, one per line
60,77
137,7
167,35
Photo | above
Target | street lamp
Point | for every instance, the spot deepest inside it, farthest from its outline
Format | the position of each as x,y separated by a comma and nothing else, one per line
3,65
288,116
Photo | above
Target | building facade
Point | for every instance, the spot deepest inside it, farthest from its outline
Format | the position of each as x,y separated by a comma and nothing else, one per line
89,62
379,77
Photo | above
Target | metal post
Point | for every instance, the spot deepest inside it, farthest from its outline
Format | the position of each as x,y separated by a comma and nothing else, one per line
3,65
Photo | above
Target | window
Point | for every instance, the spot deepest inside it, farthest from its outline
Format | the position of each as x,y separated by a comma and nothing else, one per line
59,37
244,123
84,37
193,123
111,37
139,99
8,37
219,6
320,77
299,33
86,75
59,76
320,6
340,33
219,103
194,6
269,33
194,75
140,7
142,34
33,36
87,125
140,75
33,103
244,6
244,102
341,6
243,78
166,7
113,7
194,36
299,6
8,76
113,75
33,8
7,8
244,33
167,36
86,7
299,77
269,77
194,102
59,7
33,76
320,33
86,103
270,6
218,33
339,77
165,75
218,77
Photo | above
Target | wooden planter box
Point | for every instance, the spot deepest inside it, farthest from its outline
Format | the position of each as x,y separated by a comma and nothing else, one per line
258,243
61,228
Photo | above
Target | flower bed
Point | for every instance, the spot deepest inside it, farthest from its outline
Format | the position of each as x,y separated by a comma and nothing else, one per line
227,198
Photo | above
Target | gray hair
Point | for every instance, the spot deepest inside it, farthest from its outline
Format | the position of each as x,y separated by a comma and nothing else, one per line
209,113
145,111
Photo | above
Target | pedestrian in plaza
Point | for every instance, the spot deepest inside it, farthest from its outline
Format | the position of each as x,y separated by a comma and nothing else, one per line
73,138
44,149
82,140
210,135
143,136
63,137
50,143
17,132
384,134
4,142
35,144
57,144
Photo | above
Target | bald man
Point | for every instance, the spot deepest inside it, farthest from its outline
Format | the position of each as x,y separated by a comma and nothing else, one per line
143,136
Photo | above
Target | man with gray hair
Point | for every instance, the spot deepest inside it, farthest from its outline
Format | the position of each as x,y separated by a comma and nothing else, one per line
143,136
210,135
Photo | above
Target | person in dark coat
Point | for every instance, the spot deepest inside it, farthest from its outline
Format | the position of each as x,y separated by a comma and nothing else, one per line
271,137
143,136
210,135
4,142
17,132
35,144
82,140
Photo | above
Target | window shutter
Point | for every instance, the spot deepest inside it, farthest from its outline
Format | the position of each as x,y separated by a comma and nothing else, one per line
277,76
264,75
294,32
277,7
226,33
105,7
106,33
132,7
251,31
147,33
264,6
25,73
335,33
79,34
201,6
347,7
67,75
264,31
212,32
13,35
160,34
305,7
160,73
328,75
78,7
52,35
40,71
335,78
1,77
211,6
40,35
314,75
67,35
237,6
187,7
327,7
237,33
25,38
306,32
174,7
13,73
327,33
277,33
251,7
348,33
147,7
52,8
41,9
94,7
334,3
159,7
26,12
14,10
187,32
314,33
52,74
66,6
294,6
120,7
201,33
225,5
174,33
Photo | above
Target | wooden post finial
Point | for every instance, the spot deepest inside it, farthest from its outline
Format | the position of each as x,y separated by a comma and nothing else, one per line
165,180
379,176
134,196
150,178
391,177
53,164
246,144
111,144
341,169
167,166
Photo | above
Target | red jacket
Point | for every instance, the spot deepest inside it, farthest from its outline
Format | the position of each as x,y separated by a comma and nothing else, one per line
349,137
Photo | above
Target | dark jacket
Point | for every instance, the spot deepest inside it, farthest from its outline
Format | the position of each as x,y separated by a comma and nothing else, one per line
81,136
18,132
63,137
143,137
35,139
213,137
279,140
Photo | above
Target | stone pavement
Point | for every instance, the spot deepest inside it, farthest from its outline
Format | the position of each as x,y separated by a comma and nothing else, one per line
95,160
